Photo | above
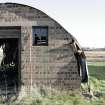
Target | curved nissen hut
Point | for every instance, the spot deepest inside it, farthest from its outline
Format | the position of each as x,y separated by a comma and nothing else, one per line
38,51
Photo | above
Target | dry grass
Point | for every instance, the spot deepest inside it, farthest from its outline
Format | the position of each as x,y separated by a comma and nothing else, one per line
95,56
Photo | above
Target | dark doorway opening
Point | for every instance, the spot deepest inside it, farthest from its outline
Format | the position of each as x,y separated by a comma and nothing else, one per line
9,66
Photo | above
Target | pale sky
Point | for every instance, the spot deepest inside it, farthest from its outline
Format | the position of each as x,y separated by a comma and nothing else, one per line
84,19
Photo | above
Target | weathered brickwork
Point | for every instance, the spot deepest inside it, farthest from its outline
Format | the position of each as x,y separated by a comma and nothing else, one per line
54,65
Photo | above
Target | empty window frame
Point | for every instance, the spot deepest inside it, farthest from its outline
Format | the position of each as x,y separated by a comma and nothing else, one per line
40,35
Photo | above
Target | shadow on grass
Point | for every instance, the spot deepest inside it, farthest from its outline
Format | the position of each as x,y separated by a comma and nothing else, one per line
97,71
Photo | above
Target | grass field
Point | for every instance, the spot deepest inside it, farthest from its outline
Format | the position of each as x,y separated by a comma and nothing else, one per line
96,66
97,80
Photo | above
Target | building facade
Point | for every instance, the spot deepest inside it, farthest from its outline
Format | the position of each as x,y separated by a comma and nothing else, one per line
46,51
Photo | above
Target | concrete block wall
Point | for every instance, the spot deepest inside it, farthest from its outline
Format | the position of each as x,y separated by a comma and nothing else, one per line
54,65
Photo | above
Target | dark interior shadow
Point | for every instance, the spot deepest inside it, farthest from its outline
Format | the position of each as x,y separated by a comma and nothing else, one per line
9,82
